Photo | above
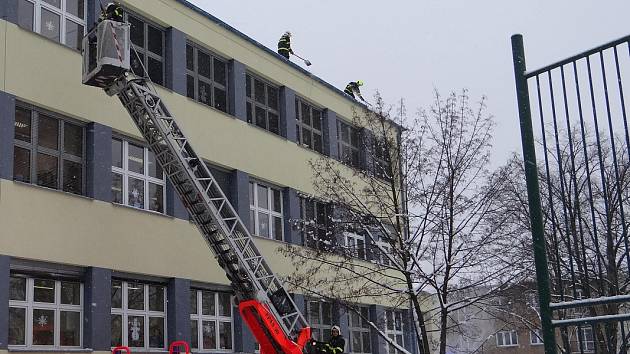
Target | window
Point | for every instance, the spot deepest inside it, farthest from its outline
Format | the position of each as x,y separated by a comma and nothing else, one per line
382,162
148,42
62,21
535,337
586,340
320,317
206,79
48,151
359,331
507,338
138,315
45,313
355,245
263,101
348,144
137,179
265,211
394,329
211,320
315,231
308,126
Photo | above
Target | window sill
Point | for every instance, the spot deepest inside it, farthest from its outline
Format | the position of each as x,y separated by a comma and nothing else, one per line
32,185
508,346
50,350
150,212
77,51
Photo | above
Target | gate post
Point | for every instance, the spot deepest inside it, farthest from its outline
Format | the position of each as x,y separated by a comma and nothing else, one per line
533,193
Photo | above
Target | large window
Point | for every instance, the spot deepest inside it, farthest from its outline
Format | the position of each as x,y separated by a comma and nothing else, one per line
148,42
62,21
48,151
206,79
137,179
507,338
211,321
382,162
359,331
315,231
45,313
265,211
320,318
586,341
348,144
535,337
309,125
383,253
262,104
138,315
355,245
394,329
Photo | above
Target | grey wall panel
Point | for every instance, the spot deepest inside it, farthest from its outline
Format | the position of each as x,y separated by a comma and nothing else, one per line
7,123
97,308
240,195
287,113
236,90
176,60
178,310
174,206
291,205
4,300
99,162
330,133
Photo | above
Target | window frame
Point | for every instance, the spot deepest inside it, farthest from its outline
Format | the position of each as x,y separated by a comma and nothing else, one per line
145,177
34,148
535,336
364,328
250,101
29,305
256,210
217,318
380,160
509,335
341,144
64,16
144,50
194,73
301,126
583,339
125,312
353,249
392,332
315,227
320,326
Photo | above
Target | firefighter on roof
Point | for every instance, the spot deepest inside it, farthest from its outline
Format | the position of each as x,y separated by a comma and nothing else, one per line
353,90
284,45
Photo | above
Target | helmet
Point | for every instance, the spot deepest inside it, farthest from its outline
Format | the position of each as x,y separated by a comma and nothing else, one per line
335,327
359,82
287,33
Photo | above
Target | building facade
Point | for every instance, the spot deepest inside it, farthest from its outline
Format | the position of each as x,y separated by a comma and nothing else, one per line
95,248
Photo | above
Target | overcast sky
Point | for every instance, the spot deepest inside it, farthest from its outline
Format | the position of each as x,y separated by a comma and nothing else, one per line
406,48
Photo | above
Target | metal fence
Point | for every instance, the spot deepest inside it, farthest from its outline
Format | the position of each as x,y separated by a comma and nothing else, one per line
574,118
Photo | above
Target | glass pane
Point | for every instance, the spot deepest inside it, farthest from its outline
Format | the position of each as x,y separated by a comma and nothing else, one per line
17,326
135,296
398,321
190,87
225,305
259,91
194,334
136,159
366,342
50,24
137,64
17,289
190,59
272,97
76,8
155,170
306,114
48,132
273,123
74,35
135,331
249,112
55,3
21,165
251,194
252,222
117,187
156,197
326,313
366,316
204,94
277,200
345,134
317,119
313,312
263,224
317,142
390,320
25,14
220,99
261,117
155,40
354,137
219,72
356,320
117,153
207,303
156,298
156,332
44,291
306,137
316,333
155,70
116,330
263,200
72,177
70,293
204,64
47,171
193,301
137,31
22,124
356,341
70,329
43,327
248,86
116,294
399,339
135,195
277,228
225,335
209,335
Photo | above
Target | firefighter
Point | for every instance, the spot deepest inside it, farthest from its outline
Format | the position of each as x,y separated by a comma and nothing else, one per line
112,11
284,45
336,344
353,90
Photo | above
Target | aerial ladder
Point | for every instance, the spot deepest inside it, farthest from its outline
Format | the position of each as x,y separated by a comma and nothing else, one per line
265,305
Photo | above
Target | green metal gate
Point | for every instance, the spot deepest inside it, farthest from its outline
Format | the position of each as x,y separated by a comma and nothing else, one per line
573,116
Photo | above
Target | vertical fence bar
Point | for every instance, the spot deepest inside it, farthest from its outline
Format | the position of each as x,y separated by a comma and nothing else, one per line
533,193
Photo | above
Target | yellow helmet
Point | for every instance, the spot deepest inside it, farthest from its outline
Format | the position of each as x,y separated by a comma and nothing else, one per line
360,83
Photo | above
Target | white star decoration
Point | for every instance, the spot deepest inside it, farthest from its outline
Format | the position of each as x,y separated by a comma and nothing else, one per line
42,321
135,329
207,328
50,26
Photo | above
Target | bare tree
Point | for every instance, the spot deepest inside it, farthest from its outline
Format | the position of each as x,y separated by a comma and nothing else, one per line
426,206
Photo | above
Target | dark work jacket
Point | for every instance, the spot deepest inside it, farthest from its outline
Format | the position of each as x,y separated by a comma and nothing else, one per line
351,88
337,344
284,44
